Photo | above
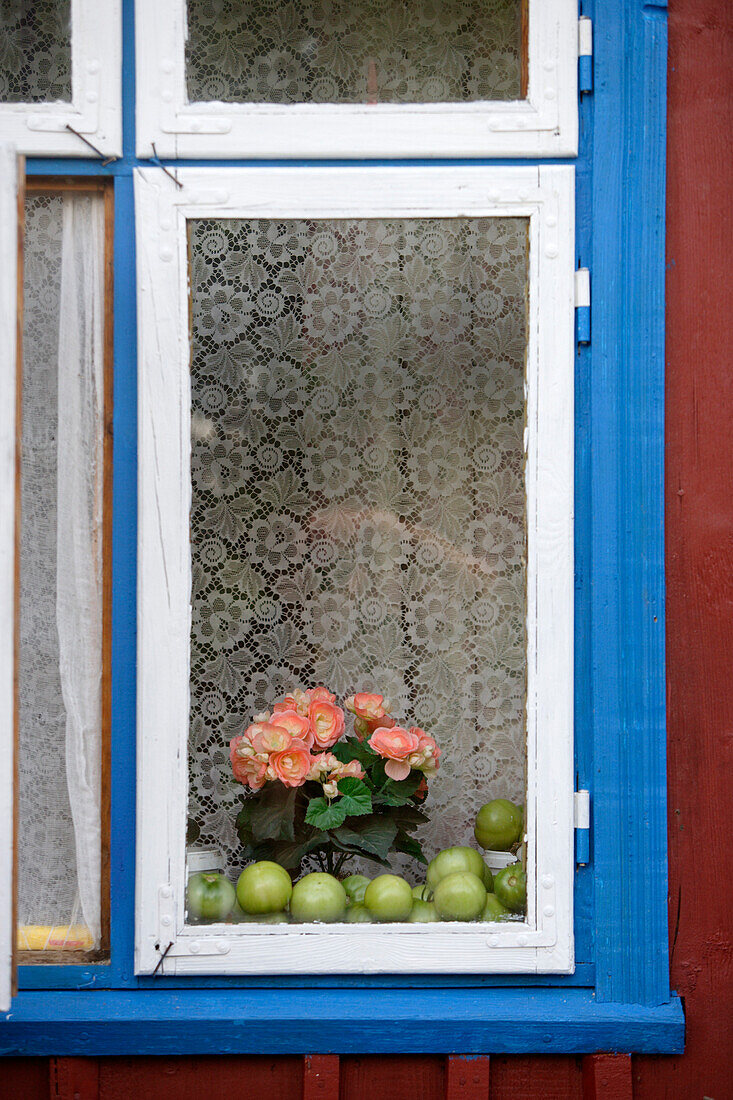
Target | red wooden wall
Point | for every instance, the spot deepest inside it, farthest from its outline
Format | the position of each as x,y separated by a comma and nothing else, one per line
700,694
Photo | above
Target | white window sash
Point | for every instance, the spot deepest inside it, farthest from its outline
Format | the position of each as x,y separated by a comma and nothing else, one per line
95,110
544,124
544,941
9,180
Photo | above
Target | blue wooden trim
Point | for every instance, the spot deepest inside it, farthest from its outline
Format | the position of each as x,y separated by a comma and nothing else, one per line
627,480
344,1021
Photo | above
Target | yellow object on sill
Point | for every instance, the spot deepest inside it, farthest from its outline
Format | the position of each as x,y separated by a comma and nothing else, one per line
60,937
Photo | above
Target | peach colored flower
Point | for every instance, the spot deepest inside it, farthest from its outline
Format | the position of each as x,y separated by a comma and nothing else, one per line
320,695
291,767
269,738
364,705
428,753
395,745
353,769
246,769
322,764
295,724
296,700
327,723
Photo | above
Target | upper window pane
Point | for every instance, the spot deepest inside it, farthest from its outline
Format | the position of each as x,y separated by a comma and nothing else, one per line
354,51
35,51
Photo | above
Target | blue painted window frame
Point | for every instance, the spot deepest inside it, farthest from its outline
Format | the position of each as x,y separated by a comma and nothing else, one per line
619,996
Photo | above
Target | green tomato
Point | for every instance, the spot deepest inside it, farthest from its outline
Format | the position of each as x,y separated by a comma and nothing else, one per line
488,878
422,912
498,825
510,887
494,910
318,897
450,860
422,891
389,897
268,918
355,885
209,896
460,896
358,914
264,887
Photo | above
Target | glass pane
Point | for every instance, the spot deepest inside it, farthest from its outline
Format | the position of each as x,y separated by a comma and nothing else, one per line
353,51
59,841
35,51
358,514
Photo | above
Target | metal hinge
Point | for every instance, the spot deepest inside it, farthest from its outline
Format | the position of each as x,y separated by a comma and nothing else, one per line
585,54
582,827
582,305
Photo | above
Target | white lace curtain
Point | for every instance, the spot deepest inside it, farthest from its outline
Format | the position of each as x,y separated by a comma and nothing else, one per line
61,564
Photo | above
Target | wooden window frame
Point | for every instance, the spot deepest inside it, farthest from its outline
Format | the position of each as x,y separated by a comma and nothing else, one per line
544,941
55,185
543,123
95,109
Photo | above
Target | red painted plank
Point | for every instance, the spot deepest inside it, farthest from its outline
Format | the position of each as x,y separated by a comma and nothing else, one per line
201,1078
467,1078
537,1077
607,1077
73,1078
321,1077
405,1077
699,508
24,1077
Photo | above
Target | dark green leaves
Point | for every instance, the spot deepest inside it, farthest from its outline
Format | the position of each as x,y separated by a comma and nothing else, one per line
353,749
272,813
371,836
391,793
325,815
355,797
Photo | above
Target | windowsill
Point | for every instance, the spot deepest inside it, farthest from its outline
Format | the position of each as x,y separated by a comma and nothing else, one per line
359,1021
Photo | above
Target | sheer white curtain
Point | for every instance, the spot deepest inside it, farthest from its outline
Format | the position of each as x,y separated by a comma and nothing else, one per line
60,665
79,530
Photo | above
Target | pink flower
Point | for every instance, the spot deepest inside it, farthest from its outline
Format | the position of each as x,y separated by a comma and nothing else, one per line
428,753
364,705
291,767
267,737
246,768
395,745
295,724
297,700
353,769
327,723
320,695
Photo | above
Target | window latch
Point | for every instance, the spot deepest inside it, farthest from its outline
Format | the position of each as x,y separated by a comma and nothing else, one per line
585,55
582,828
582,305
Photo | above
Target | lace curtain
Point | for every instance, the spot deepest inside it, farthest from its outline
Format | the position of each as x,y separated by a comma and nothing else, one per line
358,513
61,547
353,51
35,51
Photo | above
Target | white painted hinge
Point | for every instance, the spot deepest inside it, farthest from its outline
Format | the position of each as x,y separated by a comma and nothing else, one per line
585,54
582,827
172,946
582,305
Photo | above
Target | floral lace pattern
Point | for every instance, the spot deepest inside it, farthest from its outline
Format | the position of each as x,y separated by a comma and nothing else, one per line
35,51
353,51
46,850
358,512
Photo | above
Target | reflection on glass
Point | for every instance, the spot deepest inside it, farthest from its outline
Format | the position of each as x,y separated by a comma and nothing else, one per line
358,510
35,51
353,51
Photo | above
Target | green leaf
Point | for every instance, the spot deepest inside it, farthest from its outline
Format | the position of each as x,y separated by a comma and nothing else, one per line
398,794
355,797
410,846
290,854
408,817
272,815
373,833
353,749
325,815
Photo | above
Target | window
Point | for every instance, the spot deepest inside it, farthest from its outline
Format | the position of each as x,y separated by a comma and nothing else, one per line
334,79
428,257
60,76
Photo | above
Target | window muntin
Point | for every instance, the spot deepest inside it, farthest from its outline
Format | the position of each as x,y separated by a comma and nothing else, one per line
544,197
358,504
59,73
63,574
341,51
432,85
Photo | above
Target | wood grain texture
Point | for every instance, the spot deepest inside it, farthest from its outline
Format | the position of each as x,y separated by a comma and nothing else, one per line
393,1078
467,1078
73,1079
539,1077
699,551
24,1079
215,1078
321,1077
607,1077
